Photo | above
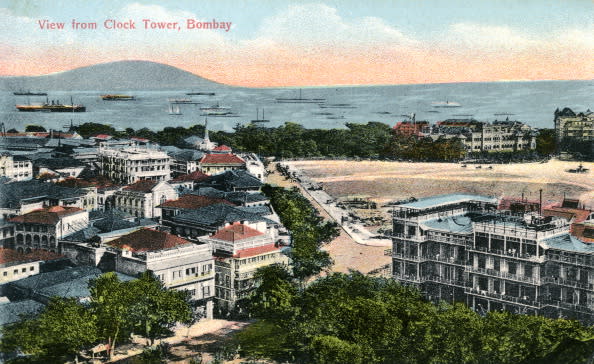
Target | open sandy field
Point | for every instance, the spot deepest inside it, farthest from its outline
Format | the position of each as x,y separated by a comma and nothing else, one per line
386,181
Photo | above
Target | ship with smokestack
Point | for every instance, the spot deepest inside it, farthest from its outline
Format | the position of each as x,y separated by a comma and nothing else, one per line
53,106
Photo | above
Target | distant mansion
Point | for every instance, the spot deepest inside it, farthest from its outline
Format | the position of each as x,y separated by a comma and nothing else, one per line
477,136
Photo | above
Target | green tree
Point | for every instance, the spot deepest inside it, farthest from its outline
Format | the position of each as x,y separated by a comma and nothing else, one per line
110,304
35,128
156,309
331,350
62,330
275,293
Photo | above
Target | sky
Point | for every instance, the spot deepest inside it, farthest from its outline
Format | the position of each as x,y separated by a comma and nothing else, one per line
271,43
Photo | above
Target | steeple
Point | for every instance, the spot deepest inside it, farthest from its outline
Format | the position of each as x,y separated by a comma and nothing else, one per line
206,139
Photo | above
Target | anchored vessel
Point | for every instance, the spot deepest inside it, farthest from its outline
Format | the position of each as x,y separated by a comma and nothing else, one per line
299,100
111,97
445,104
201,93
258,120
53,106
29,93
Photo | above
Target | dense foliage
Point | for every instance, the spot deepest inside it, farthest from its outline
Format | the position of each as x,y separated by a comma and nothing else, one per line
116,309
353,318
308,231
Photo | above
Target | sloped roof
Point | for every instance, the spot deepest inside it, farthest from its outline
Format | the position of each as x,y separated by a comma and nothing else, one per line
11,256
235,179
194,177
236,232
250,252
142,186
222,148
191,201
148,240
46,216
222,159
13,193
12,311
217,215
579,215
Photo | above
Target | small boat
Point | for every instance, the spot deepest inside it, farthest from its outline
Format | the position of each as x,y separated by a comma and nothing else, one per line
183,101
29,93
200,93
258,120
445,104
117,97
322,113
299,100
335,117
216,109
383,112
338,106
174,109
503,114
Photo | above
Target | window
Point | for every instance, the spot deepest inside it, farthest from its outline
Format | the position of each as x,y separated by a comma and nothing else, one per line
16,271
5,274
24,270
32,269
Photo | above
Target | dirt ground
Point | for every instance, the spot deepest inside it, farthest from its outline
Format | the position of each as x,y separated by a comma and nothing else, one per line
386,181
345,252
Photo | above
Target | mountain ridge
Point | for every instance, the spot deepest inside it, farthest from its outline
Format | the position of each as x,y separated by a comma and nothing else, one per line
112,76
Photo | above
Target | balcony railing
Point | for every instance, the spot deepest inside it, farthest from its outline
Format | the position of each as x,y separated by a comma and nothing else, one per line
408,257
408,237
526,301
507,254
568,282
505,275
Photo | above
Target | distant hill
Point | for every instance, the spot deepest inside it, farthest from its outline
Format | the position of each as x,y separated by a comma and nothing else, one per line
113,76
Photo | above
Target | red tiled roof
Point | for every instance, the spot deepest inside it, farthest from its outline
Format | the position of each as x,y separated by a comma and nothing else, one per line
148,240
142,186
13,256
102,136
222,148
46,216
221,159
196,176
236,232
250,252
139,139
194,202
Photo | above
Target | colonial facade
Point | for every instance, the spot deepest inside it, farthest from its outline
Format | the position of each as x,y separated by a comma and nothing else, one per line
17,168
141,199
240,250
179,264
15,265
41,229
460,248
129,164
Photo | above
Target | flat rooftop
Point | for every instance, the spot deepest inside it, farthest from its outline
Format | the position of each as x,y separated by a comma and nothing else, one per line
449,199
453,224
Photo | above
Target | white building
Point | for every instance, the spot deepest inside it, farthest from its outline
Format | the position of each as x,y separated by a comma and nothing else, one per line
141,199
17,168
128,164
41,229
179,264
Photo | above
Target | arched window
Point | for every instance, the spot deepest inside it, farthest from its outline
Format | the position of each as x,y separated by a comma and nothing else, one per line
44,240
28,239
35,239
19,238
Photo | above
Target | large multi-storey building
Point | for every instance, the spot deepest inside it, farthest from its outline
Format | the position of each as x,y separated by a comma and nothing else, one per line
16,168
497,136
129,164
141,199
41,229
179,264
575,132
460,248
574,126
240,250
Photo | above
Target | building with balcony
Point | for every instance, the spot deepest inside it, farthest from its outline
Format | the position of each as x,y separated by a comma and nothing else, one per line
239,251
16,168
178,263
571,127
141,198
131,163
459,248
41,229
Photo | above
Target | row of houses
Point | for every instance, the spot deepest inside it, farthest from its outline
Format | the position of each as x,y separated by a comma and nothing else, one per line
195,218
